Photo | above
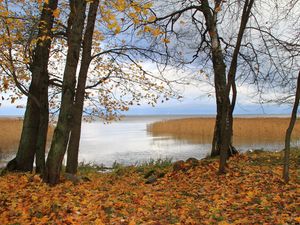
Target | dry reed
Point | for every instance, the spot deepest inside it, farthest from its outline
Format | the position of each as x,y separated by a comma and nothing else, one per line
246,130
10,132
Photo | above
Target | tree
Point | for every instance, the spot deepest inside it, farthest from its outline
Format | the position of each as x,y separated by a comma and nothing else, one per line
35,125
219,67
210,44
73,147
122,73
121,67
289,131
70,108
227,106
280,53
62,130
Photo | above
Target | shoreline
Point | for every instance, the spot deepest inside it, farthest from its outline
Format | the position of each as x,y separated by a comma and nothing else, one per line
194,139
178,115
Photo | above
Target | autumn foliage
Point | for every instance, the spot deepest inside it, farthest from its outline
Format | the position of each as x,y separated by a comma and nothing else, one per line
252,192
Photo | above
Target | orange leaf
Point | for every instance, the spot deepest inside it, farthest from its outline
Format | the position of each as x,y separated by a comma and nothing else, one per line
132,222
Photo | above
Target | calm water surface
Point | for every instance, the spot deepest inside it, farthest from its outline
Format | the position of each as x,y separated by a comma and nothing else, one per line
128,142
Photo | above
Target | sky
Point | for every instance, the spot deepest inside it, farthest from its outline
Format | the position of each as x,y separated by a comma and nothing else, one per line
185,107
195,102
198,99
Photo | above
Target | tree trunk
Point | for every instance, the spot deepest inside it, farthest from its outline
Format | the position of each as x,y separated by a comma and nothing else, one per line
27,146
62,130
219,144
231,85
222,141
215,149
288,134
228,107
31,137
73,147
43,128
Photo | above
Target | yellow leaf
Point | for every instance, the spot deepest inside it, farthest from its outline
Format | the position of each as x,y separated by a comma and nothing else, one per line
134,17
223,223
156,32
56,13
45,219
152,18
98,222
147,29
117,29
148,5
218,9
111,26
132,222
166,40
137,8
34,198
121,5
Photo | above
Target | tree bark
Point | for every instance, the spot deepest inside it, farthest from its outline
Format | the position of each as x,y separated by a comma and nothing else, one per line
33,133
223,133
73,147
288,134
231,85
228,107
220,146
43,128
62,130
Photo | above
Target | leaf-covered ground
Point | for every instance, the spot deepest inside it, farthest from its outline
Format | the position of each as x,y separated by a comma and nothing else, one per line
252,192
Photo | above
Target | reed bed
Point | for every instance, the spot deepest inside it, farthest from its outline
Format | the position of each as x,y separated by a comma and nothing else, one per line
10,133
246,130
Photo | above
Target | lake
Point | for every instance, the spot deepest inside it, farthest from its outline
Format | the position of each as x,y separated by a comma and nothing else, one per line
128,142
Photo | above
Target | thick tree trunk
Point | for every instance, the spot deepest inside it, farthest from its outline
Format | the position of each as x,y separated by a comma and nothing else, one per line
286,161
27,146
43,128
73,147
31,137
62,130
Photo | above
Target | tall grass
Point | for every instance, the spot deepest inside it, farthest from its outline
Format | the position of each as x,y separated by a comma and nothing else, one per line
246,130
10,133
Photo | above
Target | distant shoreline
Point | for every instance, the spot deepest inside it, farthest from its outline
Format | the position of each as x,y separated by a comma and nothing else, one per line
213,115
11,117
178,116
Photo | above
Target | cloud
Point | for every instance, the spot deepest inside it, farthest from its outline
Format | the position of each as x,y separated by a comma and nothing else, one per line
198,98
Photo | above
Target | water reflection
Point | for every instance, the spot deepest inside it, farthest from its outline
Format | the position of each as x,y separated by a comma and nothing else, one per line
243,144
128,142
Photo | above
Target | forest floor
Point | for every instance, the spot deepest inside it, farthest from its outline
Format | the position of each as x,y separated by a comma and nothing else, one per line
251,192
